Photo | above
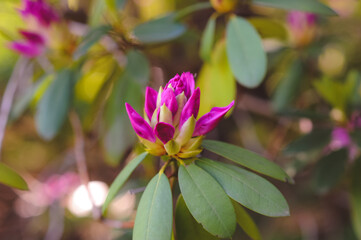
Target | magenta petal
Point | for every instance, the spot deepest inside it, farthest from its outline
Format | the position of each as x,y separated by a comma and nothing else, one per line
150,102
170,101
141,127
164,131
27,49
188,80
33,37
210,120
191,107
43,12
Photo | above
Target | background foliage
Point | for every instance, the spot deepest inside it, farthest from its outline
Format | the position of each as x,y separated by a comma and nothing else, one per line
297,92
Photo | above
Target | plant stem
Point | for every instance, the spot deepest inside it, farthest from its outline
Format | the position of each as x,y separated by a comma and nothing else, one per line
80,159
8,97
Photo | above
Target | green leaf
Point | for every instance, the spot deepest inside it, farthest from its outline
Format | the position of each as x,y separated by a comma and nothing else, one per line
91,38
207,201
191,9
186,226
313,6
10,178
115,5
329,170
289,87
159,30
154,217
22,102
54,105
314,140
119,134
245,52
268,28
216,81
356,197
245,221
97,11
121,179
207,39
247,159
337,93
138,66
249,189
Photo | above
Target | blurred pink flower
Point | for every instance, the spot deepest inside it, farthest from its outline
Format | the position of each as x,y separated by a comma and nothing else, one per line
302,27
40,10
34,42
58,186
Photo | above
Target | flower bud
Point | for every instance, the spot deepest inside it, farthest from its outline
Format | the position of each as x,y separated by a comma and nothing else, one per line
224,6
171,127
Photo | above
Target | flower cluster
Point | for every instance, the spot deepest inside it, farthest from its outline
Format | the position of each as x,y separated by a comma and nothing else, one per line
302,27
39,17
169,126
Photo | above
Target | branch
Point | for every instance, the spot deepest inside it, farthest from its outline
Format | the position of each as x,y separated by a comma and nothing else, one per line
80,159
8,97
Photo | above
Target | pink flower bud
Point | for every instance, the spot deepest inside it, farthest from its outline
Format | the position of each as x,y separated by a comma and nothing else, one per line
172,113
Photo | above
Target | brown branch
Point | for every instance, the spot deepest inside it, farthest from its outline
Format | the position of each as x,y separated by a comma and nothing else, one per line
8,97
80,159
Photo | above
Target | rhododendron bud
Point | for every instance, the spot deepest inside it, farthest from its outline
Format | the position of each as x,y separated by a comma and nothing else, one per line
41,11
302,27
39,16
169,126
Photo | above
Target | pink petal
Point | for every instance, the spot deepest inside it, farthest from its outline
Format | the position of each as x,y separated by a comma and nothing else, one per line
141,127
170,101
164,131
191,108
188,80
33,37
150,102
210,120
27,49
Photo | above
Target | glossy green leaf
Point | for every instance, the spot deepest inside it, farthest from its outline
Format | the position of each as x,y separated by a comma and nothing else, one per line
329,170
313,6
207,39
289,87
54,105
247,188
119,134
245,52
191,9
314,140
10,178
245,221
91,38
207,201
268,28
22,102
154,217
356,197
115,5
186,226
97,11
159,30
138,67
247,159
335,92
121,179
216,81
